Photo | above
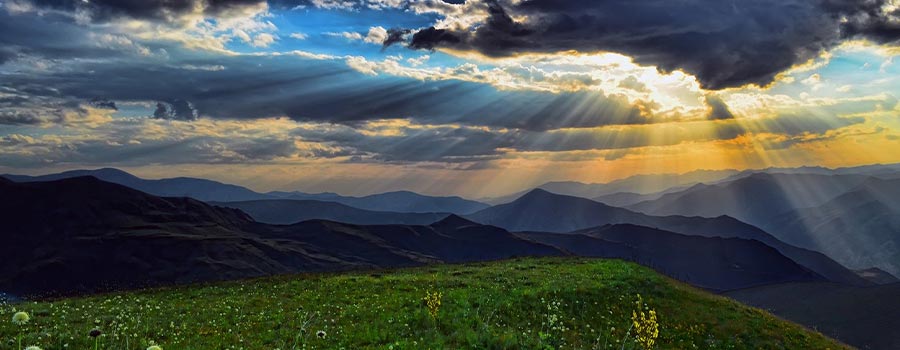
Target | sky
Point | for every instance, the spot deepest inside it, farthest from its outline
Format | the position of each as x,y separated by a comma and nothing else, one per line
477,98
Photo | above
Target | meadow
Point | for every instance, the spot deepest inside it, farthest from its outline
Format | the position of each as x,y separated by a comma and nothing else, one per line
528,303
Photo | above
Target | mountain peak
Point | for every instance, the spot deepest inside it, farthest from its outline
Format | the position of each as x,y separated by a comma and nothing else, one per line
537,193
454,221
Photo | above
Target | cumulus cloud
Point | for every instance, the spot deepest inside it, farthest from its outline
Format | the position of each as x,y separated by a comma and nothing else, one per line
723,43
376,35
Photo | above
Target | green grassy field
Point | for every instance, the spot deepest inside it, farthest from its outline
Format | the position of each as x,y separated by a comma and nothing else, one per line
547,303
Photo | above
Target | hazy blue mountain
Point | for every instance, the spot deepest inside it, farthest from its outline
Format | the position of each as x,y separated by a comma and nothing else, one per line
402,201
543,211
713,263
624,199
289,211
755,199
860,228
83,234
204,190
213,191
639,184
884,171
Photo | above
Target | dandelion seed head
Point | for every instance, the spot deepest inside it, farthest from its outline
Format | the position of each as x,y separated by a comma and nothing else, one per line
32,348
20,318
154,347
321,334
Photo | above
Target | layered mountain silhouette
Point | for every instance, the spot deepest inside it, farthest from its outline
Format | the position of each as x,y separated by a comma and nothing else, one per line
398,201
713,263
288,211
213,191
83,234
754,199
201,189
860,228
855,219
543,211
637,184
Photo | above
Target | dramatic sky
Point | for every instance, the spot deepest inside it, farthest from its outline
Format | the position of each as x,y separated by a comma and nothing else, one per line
474,97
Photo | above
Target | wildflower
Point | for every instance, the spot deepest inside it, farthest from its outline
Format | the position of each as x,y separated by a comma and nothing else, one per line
154,347
20,318
433,302
646,328
321,334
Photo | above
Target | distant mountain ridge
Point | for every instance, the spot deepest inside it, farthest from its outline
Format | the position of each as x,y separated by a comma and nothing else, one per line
542,211
855,219
83,234
289,211
214,191
754,198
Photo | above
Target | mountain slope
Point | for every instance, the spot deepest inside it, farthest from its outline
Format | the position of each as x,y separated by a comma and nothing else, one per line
543,211
84,234
494,305
713,263
287,211
864,317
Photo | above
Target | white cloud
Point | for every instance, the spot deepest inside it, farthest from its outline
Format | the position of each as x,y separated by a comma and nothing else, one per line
376,35
418,61
299,36
263,40
346,35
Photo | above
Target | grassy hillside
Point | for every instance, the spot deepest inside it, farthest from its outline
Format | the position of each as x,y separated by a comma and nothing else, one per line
570,303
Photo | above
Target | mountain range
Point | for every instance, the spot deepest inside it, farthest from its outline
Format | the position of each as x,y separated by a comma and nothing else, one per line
854,219
814,245
83,234
213,191
289,211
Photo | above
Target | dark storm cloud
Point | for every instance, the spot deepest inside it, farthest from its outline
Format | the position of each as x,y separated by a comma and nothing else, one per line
177,110
429,38
322,91
166,10
723,43
394,35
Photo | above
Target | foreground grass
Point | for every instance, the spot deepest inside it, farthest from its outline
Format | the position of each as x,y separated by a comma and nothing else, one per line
547,303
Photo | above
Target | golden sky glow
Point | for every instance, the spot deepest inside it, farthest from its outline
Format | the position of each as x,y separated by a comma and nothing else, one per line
257,95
